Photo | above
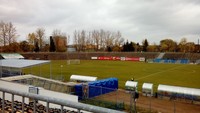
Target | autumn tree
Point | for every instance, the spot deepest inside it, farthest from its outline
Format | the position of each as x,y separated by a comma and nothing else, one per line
190,47
182,45
60,40
24,46
168,45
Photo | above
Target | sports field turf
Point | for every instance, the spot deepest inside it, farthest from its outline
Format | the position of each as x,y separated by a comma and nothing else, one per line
187,75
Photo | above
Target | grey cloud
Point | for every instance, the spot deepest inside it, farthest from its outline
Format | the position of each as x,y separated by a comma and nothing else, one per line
152,19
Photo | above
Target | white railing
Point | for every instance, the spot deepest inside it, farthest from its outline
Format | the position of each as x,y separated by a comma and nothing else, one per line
48,100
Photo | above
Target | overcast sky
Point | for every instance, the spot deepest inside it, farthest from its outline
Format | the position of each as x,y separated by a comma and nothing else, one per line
135,19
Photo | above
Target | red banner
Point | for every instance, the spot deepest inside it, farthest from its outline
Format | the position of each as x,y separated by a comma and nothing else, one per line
119,58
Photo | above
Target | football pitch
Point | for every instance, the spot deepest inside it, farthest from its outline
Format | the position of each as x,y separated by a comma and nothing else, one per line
187,75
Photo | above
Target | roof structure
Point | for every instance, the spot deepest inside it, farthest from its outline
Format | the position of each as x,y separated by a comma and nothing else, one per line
21,63
83,78
147,86
131,84
11,56
179,90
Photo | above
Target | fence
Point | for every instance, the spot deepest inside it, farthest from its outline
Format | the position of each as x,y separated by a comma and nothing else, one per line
147,104
48,100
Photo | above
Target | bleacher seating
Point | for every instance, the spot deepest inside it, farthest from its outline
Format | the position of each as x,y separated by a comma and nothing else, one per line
28,108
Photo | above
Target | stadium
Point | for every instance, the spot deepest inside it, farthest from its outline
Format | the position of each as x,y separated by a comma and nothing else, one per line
100,82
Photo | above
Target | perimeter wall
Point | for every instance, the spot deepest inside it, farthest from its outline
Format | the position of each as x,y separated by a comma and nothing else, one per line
85,55
88,55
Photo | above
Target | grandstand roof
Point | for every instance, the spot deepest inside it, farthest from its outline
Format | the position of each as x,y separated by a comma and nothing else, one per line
21,63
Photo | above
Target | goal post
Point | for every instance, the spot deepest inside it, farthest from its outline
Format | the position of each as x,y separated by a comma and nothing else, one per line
73,61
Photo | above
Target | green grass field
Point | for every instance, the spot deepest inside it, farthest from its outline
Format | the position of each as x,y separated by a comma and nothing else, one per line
170,74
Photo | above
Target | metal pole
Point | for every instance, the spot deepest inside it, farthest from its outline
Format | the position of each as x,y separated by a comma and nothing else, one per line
174,107
47,108
50,71
1,68
61,108
150,103
3,102
34,106
131,101
12,103
22,104
40,69
61,66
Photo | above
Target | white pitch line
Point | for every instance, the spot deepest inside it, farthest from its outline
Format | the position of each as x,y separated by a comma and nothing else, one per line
159,72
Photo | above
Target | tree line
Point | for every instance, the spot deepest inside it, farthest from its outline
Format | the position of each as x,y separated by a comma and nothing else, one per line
85,41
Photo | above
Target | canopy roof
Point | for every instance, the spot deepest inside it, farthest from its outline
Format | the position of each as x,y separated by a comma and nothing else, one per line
147,86
131,84
179,90
11,56
21,63
83,78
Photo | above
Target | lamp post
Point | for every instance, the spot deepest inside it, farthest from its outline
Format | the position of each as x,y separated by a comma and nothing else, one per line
61,66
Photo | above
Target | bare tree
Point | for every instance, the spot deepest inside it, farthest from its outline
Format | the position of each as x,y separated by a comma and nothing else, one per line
96,37
31,38
119,40
40,34
11,31
8,33
3,32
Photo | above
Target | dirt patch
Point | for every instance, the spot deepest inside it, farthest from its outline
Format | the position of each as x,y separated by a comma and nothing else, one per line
161,105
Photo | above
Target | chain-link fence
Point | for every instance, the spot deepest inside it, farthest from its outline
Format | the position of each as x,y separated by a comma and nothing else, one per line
123,100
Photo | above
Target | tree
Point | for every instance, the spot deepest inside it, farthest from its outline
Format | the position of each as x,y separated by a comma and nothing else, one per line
31,38
3,32
168,45
52,45
190,47
11,32
37,48
24,46
128,47
60,40
8,33
153,48
182,45
145,45
40,34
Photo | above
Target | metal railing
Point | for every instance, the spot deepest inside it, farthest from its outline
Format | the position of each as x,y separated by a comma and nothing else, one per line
48,100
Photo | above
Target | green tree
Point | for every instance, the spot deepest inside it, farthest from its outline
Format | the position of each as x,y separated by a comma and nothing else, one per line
52,45
145,44
37,48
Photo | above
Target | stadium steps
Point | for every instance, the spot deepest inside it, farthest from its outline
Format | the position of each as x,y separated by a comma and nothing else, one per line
160,56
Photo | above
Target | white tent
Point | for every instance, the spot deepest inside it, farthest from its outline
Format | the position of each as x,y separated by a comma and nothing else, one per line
131,85
82,78
147,89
